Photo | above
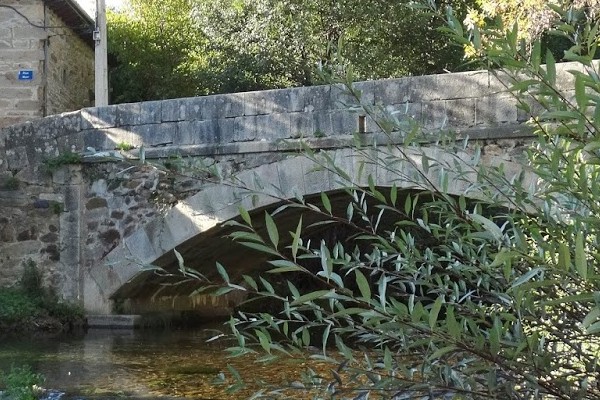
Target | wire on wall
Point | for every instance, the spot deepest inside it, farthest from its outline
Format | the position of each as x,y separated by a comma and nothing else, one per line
43,26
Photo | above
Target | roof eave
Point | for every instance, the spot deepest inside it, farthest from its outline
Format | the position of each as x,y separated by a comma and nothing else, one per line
74,17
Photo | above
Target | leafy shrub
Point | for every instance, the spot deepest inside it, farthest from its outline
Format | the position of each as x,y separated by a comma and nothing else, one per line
66,158
31,299
436,295
21,384
16,306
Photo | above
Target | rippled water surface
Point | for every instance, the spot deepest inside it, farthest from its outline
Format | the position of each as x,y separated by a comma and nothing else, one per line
139,364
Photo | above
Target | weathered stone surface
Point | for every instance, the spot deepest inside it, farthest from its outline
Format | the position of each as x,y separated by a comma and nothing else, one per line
96,202
97,223
63,83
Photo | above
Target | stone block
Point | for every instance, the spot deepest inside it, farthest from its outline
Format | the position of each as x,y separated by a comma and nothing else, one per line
128,114
150,112
344,122
244,128
456,86
171,110
272,126
160,235
73,143
225,130
28,105
315,179
301,125
207,107
291,177
188,219
496,109
114,321
366,92
115,136
17,158
153,134
322,124
266,102
297,99
565,80
229,105
391,91
318,98
424,88
405,112
140,247
28,32
535,109
460,113
215,131
186,131
17,135
98,140
190,108
99,117
434,115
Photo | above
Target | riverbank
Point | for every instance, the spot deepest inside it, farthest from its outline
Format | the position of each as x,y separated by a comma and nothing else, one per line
29,308
31,313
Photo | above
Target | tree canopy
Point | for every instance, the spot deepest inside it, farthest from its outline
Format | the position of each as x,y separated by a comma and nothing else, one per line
177,48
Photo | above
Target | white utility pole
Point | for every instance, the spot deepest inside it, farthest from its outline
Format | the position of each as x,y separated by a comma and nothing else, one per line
101,63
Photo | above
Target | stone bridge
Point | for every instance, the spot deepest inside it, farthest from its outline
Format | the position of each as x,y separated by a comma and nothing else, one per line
93,225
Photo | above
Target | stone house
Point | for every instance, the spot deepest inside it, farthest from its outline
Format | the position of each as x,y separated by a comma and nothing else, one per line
46,59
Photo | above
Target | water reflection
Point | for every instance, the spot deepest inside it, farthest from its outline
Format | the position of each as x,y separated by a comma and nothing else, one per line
148,364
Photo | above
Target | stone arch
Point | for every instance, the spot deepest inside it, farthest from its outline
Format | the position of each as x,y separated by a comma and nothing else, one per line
202,214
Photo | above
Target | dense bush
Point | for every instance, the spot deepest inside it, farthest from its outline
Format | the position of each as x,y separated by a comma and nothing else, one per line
22,304
20,383
178,48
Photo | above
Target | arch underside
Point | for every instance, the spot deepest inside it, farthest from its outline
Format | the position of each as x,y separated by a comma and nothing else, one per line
196,227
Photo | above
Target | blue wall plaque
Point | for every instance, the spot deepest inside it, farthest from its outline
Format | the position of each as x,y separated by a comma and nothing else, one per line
26,75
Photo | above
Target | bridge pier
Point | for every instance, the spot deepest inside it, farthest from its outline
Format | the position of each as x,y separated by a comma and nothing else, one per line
70,181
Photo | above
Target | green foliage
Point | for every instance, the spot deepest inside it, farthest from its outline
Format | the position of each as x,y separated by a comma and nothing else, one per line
124,146
21,384
210,46
57,207
16,306
66,158
155,45
11,183
490,291
30,300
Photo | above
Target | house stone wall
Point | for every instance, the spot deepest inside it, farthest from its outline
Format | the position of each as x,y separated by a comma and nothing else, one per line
62,64
21,47
70,71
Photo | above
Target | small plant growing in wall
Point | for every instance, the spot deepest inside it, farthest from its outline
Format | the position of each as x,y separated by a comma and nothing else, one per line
319,134
57,207
124,146
11,183
66,158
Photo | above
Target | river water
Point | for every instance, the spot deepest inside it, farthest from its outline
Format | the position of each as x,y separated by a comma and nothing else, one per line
105,364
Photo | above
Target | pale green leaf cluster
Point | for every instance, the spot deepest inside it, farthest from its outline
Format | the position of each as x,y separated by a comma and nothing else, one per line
419,293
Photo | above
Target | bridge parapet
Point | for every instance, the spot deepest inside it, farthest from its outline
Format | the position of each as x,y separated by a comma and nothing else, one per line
453,101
